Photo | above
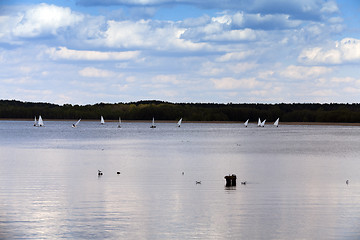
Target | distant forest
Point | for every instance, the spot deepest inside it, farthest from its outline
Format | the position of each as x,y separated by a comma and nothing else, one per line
146,110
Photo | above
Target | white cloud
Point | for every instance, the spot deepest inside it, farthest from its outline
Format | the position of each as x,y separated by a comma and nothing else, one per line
266,74
235,56
261,93
319,56
220,28
335,82
233,35
145,34
241,67
7,24
121,88
329,7
302,72
346,50
260,21
44,19
342,79
224,19
19,81
305,9
166,79
244,50
130,79
352,90
228,83
95,72
163,93
70,54
324,93
210,69
196,22
33,96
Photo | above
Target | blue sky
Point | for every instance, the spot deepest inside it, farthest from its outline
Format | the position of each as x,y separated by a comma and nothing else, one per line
240,51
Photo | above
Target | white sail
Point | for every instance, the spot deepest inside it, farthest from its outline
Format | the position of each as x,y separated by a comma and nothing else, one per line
263,123
246,123
75,124
259,123
35,122
40,122
276,123
153,123
119,126
102,120
179,122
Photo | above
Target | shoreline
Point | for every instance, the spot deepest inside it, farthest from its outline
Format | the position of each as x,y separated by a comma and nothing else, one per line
175,121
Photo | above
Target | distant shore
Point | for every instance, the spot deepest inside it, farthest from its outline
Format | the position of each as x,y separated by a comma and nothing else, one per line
175,121
293,113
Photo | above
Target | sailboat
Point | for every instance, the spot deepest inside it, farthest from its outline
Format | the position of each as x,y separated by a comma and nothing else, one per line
119,126
246,123
102,120
153,124
40,122
35,122
263,123
75,124
179,122
276,123
259,123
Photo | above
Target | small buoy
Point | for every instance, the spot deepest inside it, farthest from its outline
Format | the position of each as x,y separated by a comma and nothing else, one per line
117,172
198,182
347,182
182,173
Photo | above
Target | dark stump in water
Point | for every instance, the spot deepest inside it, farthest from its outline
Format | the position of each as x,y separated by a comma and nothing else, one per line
230,180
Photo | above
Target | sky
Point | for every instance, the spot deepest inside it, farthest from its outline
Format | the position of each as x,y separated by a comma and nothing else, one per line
238,51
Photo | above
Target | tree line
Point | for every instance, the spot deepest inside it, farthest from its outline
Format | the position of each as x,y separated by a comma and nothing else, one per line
146,110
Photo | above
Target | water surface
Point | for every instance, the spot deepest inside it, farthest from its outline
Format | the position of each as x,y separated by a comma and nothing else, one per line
49,187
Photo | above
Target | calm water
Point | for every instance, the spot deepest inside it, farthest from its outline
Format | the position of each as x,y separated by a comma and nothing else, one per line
49,188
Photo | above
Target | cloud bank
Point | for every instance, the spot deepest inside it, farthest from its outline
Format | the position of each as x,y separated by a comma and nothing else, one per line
345,51
221,51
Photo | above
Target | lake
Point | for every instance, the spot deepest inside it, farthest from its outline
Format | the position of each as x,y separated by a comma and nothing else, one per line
50,188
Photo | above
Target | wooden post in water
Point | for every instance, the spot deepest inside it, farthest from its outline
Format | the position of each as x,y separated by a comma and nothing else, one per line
230,180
